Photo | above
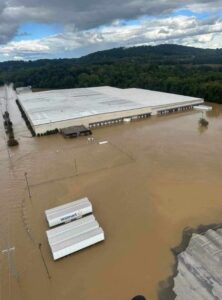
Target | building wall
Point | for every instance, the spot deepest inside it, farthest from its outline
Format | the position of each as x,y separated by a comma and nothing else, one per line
91,119
87,121
157,109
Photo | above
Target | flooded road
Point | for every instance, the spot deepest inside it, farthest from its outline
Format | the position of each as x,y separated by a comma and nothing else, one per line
153,178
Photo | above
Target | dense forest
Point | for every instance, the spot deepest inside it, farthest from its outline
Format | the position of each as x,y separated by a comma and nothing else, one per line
169,68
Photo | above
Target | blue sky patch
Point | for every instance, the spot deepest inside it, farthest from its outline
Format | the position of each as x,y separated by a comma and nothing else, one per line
34,31
187,12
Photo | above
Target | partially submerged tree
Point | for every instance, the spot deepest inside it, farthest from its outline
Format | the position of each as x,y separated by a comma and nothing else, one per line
203,122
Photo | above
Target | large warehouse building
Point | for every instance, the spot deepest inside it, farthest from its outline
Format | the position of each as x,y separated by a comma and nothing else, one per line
97,106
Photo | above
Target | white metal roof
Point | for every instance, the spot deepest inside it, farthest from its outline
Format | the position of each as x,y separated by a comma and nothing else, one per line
67,205
203,108
74,236
154,99
25,89
60,105
72,231
76,243
68,212
199,268
69,226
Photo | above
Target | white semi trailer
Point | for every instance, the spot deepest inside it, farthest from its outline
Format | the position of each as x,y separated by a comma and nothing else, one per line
68,212
72,237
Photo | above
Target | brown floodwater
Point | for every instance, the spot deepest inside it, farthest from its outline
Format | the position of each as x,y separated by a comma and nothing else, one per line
154,178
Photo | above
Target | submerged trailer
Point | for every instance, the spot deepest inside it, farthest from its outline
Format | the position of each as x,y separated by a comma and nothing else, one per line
72,237
75,228
68,212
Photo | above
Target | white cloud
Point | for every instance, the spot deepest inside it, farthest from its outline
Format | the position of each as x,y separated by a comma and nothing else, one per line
187,30
88,14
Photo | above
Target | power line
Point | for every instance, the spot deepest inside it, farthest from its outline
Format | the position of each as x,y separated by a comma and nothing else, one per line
12,267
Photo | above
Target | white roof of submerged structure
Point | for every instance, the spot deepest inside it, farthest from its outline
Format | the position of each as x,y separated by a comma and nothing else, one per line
60,105
147,97
69,211
59,231
199,268
74,236
203,108
77,242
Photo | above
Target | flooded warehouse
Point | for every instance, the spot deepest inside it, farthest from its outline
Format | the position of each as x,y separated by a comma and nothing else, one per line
97,106
146,181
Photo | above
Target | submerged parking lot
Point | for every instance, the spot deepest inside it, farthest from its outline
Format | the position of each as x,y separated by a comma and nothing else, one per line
151,180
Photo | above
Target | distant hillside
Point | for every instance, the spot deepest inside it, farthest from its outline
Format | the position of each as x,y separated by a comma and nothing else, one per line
164,53
170,68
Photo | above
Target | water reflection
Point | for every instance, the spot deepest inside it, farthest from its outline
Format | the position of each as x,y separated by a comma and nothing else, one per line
202,129
216,112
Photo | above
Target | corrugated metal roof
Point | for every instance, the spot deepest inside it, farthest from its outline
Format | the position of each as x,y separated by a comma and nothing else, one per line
76,243
199,268
62,229
72,231
74,236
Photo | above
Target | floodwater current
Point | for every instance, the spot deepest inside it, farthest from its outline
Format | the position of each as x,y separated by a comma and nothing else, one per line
151,180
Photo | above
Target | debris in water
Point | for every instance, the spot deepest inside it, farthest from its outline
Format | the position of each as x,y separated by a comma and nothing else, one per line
103,142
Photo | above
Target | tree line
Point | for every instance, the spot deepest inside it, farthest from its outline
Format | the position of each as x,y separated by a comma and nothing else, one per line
169,68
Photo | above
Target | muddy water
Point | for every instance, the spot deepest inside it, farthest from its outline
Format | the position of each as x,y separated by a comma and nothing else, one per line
151,180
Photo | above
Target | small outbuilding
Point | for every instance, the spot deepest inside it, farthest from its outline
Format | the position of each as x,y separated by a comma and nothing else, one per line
75,131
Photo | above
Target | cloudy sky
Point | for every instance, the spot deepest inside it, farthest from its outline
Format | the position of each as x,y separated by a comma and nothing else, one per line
33,29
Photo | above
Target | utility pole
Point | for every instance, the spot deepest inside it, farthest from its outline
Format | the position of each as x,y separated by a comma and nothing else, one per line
12,269
27,183
76,168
